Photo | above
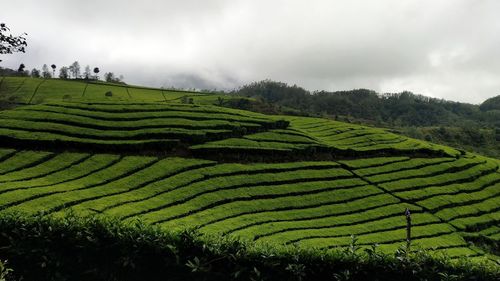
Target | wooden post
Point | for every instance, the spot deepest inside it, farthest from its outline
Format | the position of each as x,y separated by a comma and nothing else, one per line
408,229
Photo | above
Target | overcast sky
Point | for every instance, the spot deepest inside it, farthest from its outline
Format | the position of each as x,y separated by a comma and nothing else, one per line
442,48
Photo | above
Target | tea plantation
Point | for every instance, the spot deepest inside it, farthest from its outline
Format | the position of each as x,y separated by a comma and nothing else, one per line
28,90
142,155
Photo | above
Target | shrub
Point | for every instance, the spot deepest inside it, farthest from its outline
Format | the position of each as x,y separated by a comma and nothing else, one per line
90,248
4,271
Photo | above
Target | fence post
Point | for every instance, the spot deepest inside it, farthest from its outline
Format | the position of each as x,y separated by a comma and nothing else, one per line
408,229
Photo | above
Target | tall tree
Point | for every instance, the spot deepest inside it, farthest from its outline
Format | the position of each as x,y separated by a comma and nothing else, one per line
10,44
74,69
87,74
96,72
109,77
64,72
21,67
46,72
53,66
35,73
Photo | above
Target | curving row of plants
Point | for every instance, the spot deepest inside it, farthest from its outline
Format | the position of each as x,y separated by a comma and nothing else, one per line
464,192
51,90
311,203
359,138
125,127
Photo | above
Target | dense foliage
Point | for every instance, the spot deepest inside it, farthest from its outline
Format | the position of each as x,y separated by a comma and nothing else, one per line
9,43
491,104
75,248
402,111
403,108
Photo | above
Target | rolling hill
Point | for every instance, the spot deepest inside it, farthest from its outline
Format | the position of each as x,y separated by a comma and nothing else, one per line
27,90
310,182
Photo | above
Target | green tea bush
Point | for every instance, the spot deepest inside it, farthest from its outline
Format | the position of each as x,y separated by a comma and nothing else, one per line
90,248
4,271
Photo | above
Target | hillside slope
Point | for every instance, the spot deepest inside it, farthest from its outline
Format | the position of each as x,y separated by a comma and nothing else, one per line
317,204
27,90
128,127
474,128
270,179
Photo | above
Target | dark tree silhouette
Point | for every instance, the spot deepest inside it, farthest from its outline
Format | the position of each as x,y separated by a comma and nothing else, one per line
96,71
21,67
110,77
35,73
64,72
53,66
10,44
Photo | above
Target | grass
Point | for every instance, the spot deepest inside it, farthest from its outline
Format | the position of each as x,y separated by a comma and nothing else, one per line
34,91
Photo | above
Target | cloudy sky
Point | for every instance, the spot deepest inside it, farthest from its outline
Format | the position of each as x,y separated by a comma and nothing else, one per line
447,48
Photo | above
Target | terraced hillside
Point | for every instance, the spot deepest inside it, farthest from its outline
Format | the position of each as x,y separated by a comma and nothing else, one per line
317,204
269,179
316,136
126,127
203,130
27,90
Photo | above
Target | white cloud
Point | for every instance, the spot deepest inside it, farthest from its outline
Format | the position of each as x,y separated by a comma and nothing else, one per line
446,48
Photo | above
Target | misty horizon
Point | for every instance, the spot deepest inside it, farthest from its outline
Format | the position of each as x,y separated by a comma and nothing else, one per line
444,50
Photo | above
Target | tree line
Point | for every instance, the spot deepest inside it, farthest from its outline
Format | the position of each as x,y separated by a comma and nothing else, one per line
463,125
72,71
398,109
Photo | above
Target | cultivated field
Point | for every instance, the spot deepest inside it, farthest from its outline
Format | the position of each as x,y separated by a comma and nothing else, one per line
318,204
269,179
28,90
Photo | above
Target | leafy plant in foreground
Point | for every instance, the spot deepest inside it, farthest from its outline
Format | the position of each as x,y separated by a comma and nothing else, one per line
4,270
91,248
